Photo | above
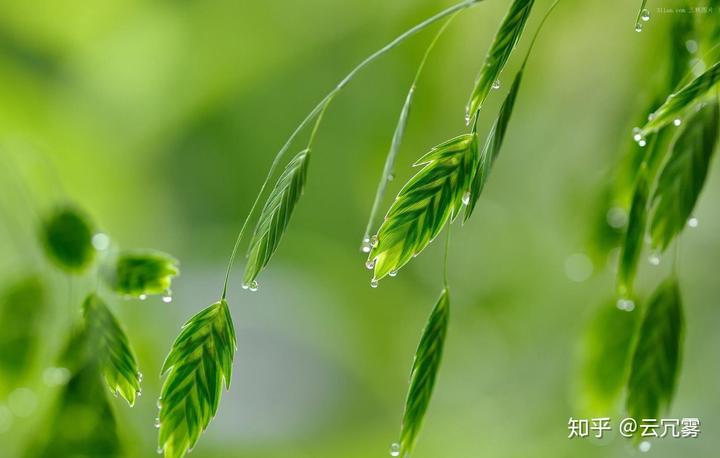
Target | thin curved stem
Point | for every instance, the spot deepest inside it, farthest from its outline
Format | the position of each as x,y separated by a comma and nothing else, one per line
398,134
445,258
323,104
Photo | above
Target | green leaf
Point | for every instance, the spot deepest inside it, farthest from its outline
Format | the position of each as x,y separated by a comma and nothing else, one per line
67,237
426,202
505,41
22,307
683,176
199,362
142,273
606,357
276,214
677,102
634,237
424,372
109,344
656,360
639,21
492,146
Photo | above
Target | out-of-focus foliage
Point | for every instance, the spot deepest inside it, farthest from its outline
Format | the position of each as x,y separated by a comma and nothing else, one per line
67,236
142,273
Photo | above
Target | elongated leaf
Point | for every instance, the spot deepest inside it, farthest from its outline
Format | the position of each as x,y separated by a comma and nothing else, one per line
110,346
492,146
505,41
634,237
424,372
639,21
276,214
683,176
142,273
426,202
606,357
22,306
656,360
67,238
199,362
677,102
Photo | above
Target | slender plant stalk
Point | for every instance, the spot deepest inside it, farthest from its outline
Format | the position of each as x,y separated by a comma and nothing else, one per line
398,137
323,104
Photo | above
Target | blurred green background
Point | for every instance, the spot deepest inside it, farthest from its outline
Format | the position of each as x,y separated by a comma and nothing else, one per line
160,119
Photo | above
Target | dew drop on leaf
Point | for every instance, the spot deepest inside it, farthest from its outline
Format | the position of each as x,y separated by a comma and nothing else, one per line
157,422
142,297
645,15
496,84
394,449
466,198
654,259
393,273
373,283
100,241
677,121
693,222
374,241
625,304
253,285
366,247
638,27
370,265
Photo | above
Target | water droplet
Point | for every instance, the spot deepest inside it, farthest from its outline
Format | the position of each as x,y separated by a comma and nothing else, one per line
159,403
370,264
393,273
496,84
374,283
638,27
692,46
391,176
100,241
253,285
245,286
654,259
645,15
167,298
644,446
651,116
160,450
625,304
138,393
697,66
142,297
677,121
374,241
467,116
139,376
394,449
642,143
693,222
637,134
365,247
578,267
157,422
616,217
466,198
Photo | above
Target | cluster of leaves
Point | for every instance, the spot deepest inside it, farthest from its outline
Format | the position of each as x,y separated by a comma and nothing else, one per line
142,273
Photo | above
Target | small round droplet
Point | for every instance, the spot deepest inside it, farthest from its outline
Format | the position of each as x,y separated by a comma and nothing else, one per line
374,283
391,177
467,116
625,304
159,403
693,222
637,134
370,264
253,285
140,376
142,297
374,241
160,450
393,273
638,27
654,259
466,198
245,286
692,46
676,122
394,449
496,84
616,217
138,393
645,15
651,116
365,247
642,143
167,298
644,446
100,241
157,422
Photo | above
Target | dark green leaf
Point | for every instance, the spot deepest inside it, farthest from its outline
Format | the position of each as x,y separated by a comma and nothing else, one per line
677,102
275,215
683,176
606,356
199,362
143,273
67,238
109,344
22,307
424,372
505,41
492,146
426,202
656,360
634,237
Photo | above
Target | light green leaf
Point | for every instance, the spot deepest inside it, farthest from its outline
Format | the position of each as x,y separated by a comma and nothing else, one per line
606,357
67,237
276,214
683,176
676,103
199,362
142,273
656,360
426,202
505,41
492,146
109,344
424,371
634,237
